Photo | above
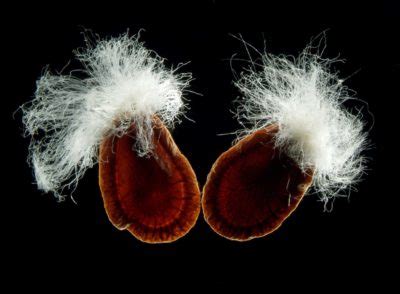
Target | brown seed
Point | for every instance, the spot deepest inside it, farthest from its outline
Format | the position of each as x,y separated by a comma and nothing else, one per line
252,188
156,198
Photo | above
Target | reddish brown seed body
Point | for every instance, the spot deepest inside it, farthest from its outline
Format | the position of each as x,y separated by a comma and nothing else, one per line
252,188
156,198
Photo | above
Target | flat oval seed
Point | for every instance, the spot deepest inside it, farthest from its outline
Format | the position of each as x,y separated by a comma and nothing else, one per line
252,188
156,198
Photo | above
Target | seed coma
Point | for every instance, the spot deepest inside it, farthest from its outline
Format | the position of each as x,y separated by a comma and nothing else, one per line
156,198
253,188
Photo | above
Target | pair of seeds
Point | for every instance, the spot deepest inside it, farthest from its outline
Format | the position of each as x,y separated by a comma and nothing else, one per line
250,191
296,134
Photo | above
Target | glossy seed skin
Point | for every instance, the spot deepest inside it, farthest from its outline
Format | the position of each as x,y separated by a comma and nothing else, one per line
252,188
155,198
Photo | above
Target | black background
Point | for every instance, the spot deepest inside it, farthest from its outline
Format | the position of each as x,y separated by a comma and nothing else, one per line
354,243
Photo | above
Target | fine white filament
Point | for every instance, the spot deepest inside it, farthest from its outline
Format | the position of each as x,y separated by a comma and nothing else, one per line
305,99
123,84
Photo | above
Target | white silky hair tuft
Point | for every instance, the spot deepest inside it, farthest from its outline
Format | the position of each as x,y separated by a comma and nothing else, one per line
305,99
69,117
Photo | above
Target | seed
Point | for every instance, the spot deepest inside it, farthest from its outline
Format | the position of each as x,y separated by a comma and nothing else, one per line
252,188
156,198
